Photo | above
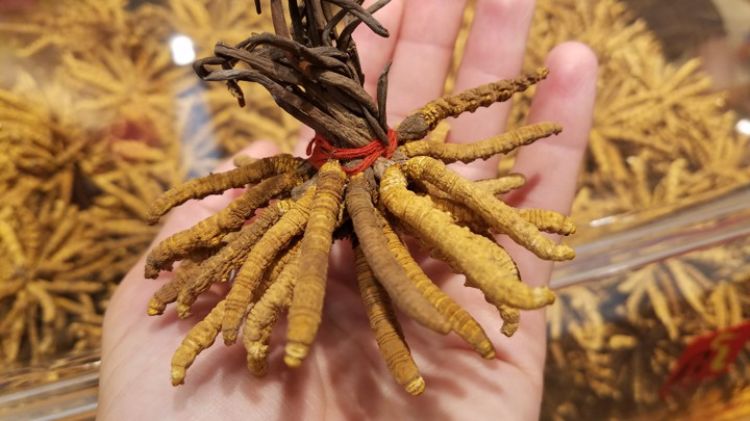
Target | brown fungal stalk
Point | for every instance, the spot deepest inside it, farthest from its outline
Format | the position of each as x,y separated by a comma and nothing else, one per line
363,180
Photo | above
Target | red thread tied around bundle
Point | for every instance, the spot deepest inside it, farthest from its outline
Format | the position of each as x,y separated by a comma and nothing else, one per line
321,150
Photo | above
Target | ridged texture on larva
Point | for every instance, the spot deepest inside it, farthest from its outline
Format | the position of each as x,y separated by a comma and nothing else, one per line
218,267
232,255
480,259
460,320
502,184
462,216
291,224
387,270
549,221
387,330
290,255
168,292
418,124
256,333
544,220
307,305
200,337
485,149
208,232
220,182
495,213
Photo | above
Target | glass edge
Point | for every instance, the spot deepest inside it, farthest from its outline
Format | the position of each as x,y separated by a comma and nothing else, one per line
676,233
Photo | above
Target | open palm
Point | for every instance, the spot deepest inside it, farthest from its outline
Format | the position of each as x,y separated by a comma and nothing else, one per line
344,376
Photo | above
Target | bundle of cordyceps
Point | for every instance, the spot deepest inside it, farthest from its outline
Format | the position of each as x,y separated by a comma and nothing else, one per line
362,181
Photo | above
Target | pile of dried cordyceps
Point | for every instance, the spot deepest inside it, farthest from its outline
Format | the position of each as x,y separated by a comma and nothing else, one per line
644,319
662,137
352,186
85,147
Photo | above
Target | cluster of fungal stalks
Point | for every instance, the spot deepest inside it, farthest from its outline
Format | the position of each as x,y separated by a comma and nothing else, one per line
363,181
78,166
47,302
114,59
662,137
614,342
92,116
661,140
70,222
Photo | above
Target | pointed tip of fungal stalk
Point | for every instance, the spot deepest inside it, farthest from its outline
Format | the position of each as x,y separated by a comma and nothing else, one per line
178,376
294,354
415,387
541,73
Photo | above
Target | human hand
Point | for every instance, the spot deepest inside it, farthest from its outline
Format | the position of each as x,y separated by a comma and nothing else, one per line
344,376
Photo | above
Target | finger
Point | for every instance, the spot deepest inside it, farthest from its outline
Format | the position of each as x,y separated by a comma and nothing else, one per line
423,54
551,165
375,52
494,50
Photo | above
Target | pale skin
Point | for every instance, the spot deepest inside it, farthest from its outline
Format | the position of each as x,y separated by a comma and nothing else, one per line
344,376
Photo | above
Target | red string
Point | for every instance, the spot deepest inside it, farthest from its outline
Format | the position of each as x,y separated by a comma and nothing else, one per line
321,150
